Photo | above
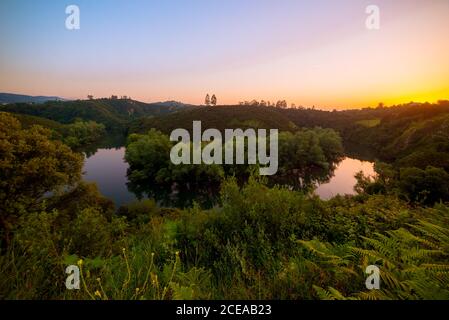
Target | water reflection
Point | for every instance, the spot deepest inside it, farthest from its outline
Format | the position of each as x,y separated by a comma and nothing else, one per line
106,166
176,195
111,141
307,178
343,181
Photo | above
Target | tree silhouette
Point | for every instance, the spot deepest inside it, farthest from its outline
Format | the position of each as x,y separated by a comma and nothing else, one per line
207,100
281,104
213,100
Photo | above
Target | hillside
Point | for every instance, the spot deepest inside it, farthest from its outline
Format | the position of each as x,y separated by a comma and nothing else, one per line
413,134
114,114
219,117
345,121
6,98
28,121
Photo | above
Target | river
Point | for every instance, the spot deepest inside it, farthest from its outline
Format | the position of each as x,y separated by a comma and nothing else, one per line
107,168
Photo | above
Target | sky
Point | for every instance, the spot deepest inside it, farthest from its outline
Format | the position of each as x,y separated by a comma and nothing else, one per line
311,53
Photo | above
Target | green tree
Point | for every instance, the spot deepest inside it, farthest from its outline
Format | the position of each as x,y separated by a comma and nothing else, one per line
147,154
427,186
309,154
31,166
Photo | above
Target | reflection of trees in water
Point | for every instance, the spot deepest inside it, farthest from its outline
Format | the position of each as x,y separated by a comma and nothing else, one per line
112,141
307,178
361,152
175,194
185,194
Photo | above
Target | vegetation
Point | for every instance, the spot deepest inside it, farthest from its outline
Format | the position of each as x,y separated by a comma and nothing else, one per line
304,157
31,166
424,187
221,118
261,239
411,134
82,133
260,243
78,134
114,114
370,123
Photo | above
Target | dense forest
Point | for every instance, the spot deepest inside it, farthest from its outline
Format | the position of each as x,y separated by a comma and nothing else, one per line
259,238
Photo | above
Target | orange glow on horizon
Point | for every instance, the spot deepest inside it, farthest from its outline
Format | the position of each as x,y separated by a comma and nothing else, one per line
305,53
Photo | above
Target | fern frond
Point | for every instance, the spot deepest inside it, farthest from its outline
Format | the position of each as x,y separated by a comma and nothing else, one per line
323,294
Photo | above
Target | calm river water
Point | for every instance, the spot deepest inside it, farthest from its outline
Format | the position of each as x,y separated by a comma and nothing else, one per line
107,168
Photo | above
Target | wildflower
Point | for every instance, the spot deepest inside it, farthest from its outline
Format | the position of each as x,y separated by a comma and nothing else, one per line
153,278
98,294
80,262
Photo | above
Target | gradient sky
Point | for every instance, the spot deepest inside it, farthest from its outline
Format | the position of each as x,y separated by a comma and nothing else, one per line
311,52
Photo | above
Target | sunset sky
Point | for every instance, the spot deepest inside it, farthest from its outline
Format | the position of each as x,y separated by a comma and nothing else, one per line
307,52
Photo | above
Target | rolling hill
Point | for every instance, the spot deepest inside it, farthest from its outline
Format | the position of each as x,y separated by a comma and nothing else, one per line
115,114
6,98
219,117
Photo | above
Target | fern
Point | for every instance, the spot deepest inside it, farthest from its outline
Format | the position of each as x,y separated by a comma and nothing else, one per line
414,262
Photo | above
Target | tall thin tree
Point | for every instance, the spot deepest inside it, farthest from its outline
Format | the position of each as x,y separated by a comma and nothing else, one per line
213,100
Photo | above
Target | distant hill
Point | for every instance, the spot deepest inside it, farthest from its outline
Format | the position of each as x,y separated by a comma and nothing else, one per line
172,104
20,98
136,109
115,114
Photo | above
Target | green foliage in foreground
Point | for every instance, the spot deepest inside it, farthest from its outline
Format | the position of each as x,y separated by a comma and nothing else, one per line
260,243
31,165
413,261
